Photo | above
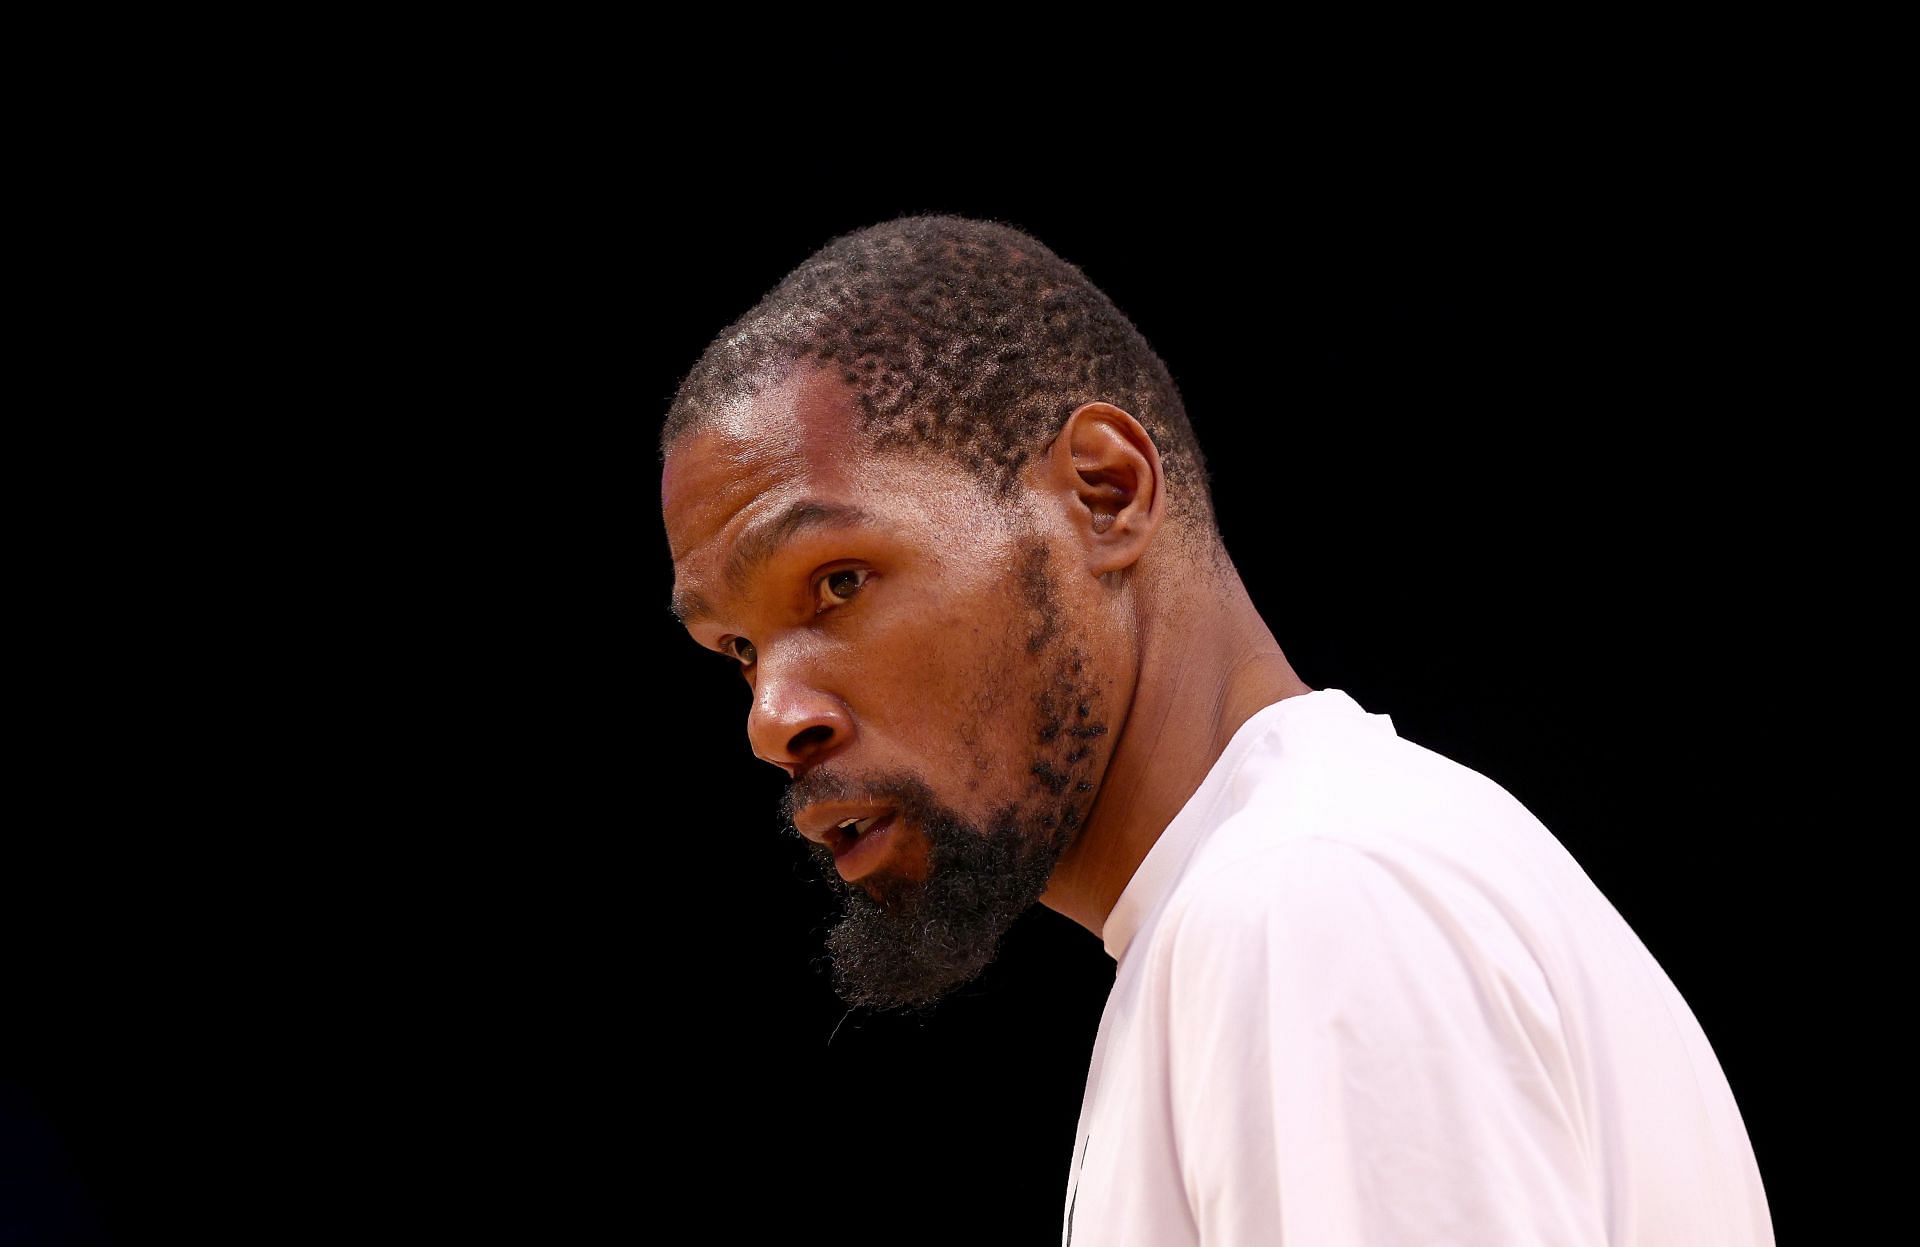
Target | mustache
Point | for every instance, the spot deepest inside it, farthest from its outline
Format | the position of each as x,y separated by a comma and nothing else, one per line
822,786
901,789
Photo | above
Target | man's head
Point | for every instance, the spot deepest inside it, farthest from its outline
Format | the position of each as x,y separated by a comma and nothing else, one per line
909,495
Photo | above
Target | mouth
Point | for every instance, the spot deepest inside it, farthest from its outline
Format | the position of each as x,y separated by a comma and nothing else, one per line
861,846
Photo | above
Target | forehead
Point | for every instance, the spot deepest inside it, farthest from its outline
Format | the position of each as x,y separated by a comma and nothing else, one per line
737,483
795,437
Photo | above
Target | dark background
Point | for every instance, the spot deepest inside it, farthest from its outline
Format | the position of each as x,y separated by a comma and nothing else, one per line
403,866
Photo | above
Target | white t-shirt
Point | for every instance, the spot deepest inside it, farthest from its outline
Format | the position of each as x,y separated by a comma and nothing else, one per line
1365,999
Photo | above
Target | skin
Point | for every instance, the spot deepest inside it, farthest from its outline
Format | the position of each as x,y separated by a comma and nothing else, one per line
1038,686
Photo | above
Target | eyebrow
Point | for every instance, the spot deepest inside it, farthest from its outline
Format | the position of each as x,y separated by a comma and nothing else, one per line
765,539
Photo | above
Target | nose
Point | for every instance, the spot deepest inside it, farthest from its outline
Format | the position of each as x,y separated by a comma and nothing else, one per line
794,724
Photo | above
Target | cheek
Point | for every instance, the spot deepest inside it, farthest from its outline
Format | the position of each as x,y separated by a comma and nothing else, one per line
956,676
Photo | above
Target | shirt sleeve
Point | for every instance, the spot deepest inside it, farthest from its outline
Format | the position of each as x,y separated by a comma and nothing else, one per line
1355,1062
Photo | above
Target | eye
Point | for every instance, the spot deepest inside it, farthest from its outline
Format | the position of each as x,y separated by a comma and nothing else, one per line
742,649
842,585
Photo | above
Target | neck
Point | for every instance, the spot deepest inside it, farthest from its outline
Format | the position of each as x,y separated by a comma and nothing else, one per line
1202,674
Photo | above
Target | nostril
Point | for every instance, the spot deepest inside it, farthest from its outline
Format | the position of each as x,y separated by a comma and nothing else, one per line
814,736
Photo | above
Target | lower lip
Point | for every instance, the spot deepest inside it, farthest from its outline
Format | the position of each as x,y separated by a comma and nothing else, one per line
866,855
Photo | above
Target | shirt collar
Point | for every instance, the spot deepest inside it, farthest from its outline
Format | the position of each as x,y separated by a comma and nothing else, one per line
1161,868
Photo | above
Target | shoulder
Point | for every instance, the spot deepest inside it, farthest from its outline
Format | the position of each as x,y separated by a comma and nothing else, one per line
1378,942
1349,923
1423,845
1295,912
1299,883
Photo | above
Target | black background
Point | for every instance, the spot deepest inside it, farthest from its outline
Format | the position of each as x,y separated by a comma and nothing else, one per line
403,866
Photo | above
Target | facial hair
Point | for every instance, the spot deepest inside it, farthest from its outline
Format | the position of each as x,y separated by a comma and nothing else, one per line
904,943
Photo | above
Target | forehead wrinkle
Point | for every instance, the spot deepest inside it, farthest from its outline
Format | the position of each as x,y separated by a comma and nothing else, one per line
765,538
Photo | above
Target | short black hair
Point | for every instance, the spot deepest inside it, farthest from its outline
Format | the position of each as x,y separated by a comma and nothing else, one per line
961,337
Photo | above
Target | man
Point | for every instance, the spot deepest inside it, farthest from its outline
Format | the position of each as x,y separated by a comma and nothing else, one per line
941,505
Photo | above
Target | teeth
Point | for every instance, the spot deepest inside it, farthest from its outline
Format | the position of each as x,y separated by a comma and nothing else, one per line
848,823
866,824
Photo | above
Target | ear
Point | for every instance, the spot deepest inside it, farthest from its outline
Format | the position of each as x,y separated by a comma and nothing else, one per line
1105,470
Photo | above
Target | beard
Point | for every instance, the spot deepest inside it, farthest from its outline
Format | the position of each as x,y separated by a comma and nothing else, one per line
902,942
905,943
